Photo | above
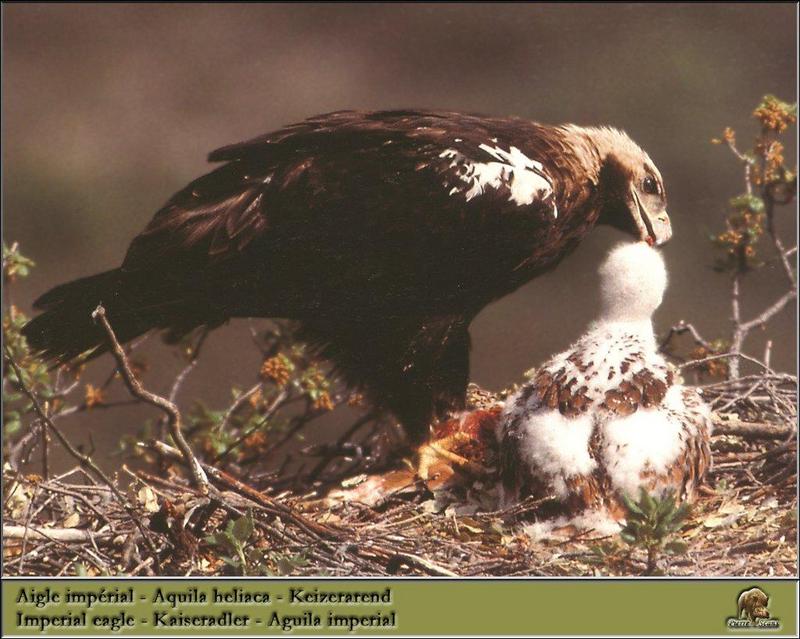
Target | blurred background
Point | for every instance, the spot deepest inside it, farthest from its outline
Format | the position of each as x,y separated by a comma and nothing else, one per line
109,109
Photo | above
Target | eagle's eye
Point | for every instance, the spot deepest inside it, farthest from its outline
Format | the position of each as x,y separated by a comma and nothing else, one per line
649,185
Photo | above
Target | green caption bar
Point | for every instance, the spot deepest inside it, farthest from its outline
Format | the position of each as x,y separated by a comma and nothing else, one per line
377,607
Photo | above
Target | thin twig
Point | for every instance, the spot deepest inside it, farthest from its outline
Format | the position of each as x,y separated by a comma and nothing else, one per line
85,460
270,411
58,534
769,312
740,329
181,377
323,463
427,565
711,358
738,335
260,498
783,254
684,327
748,430
169,408
236,405
45,441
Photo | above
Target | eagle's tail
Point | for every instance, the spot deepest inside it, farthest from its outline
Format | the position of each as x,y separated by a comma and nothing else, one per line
134,303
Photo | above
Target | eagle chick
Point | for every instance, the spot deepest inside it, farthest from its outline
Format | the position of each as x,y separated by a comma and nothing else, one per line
606,416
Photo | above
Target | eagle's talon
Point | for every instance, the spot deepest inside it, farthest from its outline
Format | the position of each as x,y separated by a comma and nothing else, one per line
439,450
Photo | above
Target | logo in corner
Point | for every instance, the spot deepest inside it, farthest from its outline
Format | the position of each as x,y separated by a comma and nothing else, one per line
753,611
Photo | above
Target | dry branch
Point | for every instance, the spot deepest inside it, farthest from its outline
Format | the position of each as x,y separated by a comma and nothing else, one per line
67,535
266,502
169,408
732,425
85,460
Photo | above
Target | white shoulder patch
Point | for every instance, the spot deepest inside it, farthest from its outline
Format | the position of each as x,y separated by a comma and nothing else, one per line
525,178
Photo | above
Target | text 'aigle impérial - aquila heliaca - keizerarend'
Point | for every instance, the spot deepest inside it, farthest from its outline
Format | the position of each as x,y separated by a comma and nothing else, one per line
383,234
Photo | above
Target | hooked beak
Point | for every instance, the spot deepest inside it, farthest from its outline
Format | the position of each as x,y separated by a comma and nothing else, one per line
653,229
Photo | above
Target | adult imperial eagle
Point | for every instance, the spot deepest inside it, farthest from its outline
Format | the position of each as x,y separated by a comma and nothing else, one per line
383,233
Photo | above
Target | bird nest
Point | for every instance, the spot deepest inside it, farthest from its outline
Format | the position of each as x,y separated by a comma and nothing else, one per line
743,523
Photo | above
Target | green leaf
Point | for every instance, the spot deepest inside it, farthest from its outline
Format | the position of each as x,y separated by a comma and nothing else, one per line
666,507
627,538
682,514
647,503
254,555
242,529
285,566
12,426
223,540
633,528
631,505
749,202
676,547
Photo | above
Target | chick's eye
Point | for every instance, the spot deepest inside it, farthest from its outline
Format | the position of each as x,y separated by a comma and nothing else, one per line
649,185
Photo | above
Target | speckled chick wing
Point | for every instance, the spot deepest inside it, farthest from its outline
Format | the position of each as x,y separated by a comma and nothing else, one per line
605,416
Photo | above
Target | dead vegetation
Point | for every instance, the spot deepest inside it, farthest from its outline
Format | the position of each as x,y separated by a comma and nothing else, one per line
744,523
